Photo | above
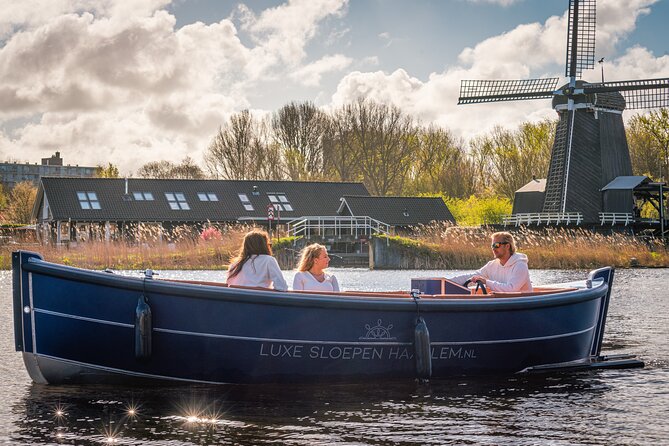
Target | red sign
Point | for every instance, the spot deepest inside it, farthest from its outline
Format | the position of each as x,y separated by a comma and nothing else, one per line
270,212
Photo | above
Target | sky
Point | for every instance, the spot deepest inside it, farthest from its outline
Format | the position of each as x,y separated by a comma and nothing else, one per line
135,81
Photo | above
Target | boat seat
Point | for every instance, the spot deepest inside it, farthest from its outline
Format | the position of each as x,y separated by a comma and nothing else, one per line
501,294
196,282
535,292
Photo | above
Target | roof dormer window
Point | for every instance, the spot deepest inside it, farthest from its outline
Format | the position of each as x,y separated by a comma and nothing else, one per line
245,202
280,201
207,196
88,200
142,196
177,201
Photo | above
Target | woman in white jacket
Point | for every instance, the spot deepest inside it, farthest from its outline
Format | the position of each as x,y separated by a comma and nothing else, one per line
254,265
507,272
311,275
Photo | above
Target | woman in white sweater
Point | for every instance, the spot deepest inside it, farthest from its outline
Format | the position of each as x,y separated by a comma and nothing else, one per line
310,274
254,265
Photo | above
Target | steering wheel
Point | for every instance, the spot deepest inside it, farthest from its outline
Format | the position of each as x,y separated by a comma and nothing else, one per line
480,284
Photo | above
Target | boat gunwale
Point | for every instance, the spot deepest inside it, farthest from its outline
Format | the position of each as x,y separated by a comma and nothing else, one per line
289,298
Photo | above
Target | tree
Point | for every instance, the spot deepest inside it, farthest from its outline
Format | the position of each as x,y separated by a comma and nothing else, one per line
242,150
187,169
387,142
648,139
299,129
442,165
340,151
21,202
157,169
109,171
372,140
3,198
266,154
506,160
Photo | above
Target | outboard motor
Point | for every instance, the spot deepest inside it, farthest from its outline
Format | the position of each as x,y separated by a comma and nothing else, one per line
422,352
143,328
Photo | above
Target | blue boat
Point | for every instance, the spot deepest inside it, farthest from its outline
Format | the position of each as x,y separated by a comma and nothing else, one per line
80,326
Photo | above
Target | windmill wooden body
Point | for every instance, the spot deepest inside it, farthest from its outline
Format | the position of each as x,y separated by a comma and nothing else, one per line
590,147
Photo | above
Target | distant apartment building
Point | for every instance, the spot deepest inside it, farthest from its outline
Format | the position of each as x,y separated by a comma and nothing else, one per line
12,173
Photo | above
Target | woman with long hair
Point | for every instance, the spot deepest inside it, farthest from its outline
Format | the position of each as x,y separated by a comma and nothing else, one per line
254,264
310,272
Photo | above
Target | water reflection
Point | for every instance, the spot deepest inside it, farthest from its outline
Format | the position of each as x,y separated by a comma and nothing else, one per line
397,413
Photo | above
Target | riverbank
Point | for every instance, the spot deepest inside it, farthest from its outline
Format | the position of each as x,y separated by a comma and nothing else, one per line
430,248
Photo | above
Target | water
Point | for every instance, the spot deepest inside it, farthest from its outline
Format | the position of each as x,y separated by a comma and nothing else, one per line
612,407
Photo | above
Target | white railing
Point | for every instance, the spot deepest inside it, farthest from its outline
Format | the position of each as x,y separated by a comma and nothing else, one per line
543,218
337,226
616,218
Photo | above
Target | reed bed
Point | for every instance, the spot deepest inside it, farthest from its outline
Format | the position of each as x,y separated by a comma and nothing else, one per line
431,247
187,253
550,248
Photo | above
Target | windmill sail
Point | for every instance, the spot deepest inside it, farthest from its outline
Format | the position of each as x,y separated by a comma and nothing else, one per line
644,93
477,91
580,37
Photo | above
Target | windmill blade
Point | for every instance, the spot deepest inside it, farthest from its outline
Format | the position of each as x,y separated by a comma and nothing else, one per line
477,91
580,37
644,93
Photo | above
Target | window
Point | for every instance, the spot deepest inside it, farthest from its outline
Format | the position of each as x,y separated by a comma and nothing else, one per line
280,201
88,200
142,196
177,201
207,196
245,201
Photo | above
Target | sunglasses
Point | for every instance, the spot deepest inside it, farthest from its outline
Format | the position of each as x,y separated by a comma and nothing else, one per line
498,244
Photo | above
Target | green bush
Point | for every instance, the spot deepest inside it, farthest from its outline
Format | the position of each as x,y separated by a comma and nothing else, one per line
475,211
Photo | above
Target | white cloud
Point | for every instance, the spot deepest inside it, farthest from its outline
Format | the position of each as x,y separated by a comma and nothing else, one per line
370,60
311,74
497,2
636,63
282,32
34,13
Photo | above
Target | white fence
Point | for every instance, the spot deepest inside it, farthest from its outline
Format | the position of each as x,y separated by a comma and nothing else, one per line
337,226
544,218
616,218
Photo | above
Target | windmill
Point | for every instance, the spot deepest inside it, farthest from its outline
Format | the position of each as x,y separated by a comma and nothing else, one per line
590,147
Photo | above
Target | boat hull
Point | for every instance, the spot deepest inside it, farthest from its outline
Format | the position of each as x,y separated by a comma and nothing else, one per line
75,325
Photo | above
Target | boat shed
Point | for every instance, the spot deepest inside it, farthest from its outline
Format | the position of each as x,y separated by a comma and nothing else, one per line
530,198
76,209
398,212
629,194
619,194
